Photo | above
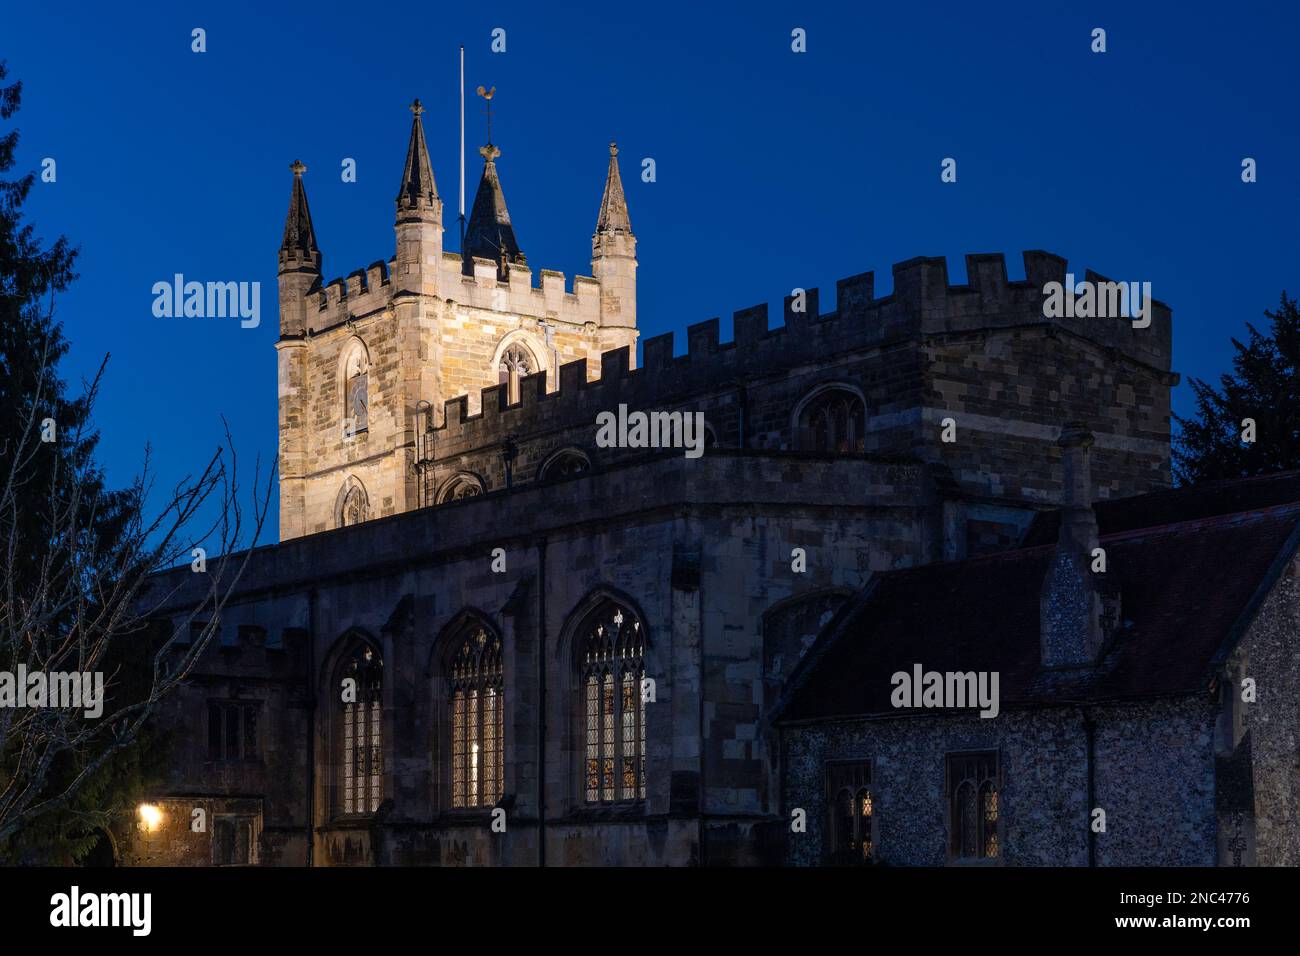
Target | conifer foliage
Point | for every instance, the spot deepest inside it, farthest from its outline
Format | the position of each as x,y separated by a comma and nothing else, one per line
1250,424
77,559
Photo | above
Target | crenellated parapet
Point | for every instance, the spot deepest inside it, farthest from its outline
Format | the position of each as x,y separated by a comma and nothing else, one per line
362,358
924,307
363,292
435,372
549,295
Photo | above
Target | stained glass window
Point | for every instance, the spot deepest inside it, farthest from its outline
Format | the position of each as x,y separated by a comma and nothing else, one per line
989,819
593,738
612,671
477,719
834,421
973,806
361,760
852,806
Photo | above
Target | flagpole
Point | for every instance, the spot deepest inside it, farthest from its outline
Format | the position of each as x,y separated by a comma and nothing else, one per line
462,151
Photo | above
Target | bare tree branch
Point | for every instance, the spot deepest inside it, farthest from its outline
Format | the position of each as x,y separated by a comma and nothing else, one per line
84,606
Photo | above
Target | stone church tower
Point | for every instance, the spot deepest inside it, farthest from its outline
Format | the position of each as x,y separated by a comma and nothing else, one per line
453,381
366,363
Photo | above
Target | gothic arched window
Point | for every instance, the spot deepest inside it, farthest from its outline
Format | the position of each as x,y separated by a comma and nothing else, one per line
516,363
567,463
355,507
833,420
460,487
356,394
476,692
973,806
359,739
852,814
611,668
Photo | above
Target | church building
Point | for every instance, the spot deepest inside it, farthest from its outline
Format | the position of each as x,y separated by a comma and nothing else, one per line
486,639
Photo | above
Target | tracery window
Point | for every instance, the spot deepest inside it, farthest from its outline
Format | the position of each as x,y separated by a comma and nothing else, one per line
833,421
459,488
356,390
355,507
566,464
516,363
477,701
612,666
360,753
852,806
973,806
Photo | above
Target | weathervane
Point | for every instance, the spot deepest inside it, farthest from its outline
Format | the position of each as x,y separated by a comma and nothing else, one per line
487,95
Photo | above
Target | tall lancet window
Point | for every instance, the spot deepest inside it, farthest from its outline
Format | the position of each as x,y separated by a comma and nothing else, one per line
516,363
356,396
355,508
612,666
973,806
477,719
360,749
852,806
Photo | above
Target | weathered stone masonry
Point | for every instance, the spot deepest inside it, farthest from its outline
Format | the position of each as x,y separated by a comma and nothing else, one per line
388,530
1147,711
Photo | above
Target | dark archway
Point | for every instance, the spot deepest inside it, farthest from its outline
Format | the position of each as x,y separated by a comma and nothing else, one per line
103,853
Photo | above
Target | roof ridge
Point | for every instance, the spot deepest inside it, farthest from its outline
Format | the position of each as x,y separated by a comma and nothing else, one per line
1169,527
1172,527
1216,484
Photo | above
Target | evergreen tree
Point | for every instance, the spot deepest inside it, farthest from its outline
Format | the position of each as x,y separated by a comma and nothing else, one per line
1264,389
76,566
55,476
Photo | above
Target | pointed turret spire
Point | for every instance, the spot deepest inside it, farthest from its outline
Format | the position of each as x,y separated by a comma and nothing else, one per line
613,218
299,249
613,252
489,234
300,259
418,188
419,218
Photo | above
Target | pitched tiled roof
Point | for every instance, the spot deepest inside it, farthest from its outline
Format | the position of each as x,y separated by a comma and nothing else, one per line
1184,586
1178,504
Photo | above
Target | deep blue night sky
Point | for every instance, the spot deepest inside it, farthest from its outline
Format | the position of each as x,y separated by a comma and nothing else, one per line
775,169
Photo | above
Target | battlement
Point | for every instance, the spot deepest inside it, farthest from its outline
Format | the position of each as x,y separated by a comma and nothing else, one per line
923,305
370,290
577,304
363,291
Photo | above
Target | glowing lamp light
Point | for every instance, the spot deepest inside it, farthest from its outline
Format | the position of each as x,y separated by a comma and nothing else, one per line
150,817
